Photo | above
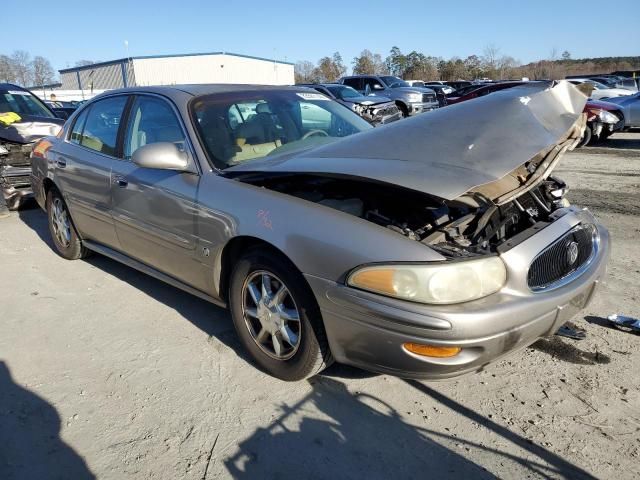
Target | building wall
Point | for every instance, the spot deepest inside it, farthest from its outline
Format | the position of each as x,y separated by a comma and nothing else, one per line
102,77
218,68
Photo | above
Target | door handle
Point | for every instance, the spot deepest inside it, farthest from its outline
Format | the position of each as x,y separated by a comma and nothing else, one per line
120,181
61,162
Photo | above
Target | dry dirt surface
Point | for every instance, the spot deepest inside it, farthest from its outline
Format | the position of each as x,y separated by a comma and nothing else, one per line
108,373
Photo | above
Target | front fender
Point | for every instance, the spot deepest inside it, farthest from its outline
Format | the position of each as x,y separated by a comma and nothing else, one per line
319,240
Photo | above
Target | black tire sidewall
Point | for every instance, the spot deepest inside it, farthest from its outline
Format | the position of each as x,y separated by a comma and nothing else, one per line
312,353
74,250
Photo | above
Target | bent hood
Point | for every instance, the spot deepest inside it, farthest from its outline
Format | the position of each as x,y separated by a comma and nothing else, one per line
497,145
367,100
30,128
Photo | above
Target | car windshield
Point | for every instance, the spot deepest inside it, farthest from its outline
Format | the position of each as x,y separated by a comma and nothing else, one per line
23,103
239,127
417,83
342,91
394,82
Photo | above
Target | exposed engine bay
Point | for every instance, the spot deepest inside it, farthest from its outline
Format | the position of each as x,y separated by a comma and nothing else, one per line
468,226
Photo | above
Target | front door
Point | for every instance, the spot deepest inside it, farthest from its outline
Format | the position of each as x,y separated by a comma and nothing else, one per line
155,210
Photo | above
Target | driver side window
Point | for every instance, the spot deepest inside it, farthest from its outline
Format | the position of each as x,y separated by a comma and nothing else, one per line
152,120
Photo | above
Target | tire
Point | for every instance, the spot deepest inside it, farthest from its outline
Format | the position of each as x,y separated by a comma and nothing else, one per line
586,137
307,351
403,109
63,233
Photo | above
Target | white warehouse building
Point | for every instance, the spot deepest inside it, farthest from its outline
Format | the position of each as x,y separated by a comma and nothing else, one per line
214,67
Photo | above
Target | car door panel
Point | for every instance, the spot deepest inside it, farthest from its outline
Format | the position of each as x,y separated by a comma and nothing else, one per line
155,210
84,174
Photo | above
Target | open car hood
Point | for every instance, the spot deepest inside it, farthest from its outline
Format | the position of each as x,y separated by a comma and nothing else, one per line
497,145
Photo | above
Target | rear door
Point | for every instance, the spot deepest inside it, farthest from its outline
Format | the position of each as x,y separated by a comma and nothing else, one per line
83,168
155,210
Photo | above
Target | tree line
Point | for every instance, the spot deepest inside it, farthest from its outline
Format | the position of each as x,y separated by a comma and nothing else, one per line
19,68
491,64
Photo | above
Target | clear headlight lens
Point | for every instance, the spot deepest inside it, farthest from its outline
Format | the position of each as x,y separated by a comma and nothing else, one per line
415,97
607,117
441,283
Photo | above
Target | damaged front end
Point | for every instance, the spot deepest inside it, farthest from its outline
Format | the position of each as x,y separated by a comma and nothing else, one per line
464,193
378,114
470,225
16,144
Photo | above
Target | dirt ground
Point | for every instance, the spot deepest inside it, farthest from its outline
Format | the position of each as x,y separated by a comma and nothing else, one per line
106,372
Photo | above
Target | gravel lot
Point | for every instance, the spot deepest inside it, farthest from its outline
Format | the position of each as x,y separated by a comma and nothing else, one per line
106,372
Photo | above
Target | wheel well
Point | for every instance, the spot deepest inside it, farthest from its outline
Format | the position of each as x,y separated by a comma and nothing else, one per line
403,108
47,184
233,250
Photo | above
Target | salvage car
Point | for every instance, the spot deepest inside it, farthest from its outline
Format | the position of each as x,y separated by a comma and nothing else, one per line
600,90
410,100
376,110
630,107
603,120
427,248
34,121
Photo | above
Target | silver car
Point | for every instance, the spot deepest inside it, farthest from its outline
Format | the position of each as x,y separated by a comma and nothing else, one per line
425,248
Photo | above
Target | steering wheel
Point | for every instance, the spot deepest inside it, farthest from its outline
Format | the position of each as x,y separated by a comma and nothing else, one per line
314,132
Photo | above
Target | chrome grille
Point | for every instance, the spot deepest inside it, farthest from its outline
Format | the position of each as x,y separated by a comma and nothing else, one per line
428,97
563,258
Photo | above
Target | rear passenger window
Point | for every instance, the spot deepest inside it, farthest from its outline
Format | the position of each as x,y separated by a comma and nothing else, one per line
100,131
78,126
152,121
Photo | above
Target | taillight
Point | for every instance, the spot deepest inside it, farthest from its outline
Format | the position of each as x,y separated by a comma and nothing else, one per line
41,148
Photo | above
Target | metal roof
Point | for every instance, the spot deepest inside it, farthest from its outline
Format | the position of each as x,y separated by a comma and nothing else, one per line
127,59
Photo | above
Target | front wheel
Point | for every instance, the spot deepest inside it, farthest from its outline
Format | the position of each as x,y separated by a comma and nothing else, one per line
64,235
586,137
277,317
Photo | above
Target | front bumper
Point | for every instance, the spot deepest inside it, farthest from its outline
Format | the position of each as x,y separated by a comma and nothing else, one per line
599,128
16,185
416,108
368,330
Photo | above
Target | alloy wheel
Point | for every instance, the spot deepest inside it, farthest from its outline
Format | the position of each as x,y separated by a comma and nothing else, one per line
60,222
271,315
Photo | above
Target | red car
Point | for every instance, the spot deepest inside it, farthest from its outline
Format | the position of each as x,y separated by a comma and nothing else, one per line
481,91
603,119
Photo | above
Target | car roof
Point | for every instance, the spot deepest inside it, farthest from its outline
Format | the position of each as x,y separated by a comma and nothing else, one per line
11,86
205,89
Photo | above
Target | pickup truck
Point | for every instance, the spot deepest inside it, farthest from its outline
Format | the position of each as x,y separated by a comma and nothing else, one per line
410,100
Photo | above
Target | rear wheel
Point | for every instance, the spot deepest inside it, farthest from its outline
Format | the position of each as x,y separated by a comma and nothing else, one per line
64,235
277,317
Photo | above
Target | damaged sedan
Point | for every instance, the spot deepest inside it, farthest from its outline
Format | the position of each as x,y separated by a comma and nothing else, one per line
30,121
407,250
374,109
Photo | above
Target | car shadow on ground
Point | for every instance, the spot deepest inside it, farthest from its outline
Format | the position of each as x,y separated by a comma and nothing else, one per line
334,433
30,443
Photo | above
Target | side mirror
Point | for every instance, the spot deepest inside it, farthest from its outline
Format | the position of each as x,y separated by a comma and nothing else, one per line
162,156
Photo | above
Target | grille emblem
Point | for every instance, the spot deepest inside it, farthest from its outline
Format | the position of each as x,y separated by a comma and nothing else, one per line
572,253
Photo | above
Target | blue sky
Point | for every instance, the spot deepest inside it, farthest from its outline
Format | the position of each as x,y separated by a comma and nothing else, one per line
67,31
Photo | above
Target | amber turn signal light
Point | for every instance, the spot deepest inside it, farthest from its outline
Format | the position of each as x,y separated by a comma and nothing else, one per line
432,350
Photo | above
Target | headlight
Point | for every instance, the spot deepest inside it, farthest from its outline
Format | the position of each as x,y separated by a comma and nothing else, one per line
415,97
441,283
607,117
